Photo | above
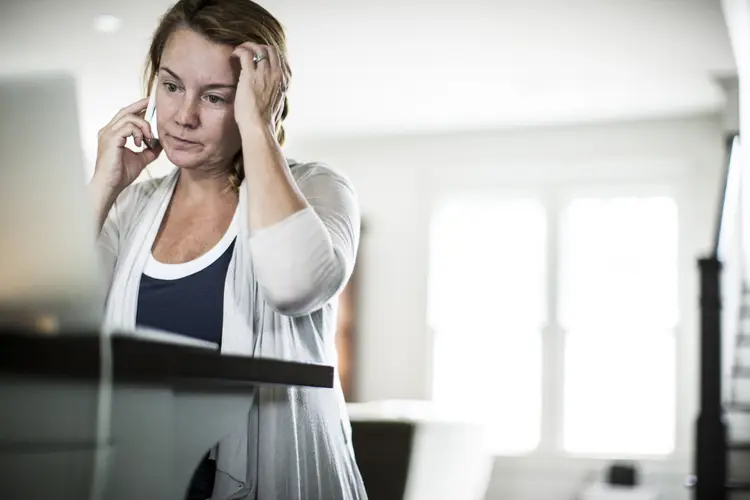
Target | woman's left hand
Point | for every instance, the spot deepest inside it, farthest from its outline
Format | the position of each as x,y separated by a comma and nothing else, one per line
260,90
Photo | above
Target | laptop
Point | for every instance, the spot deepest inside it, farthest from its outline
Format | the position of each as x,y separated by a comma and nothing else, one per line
49,270
50,274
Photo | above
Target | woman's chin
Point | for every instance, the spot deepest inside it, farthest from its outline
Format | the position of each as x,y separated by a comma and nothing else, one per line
183,159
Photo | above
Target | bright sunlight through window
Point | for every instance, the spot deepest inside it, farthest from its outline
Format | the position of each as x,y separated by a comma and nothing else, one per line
487,307
618,307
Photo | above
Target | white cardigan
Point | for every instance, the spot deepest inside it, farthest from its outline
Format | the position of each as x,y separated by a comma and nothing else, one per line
279,302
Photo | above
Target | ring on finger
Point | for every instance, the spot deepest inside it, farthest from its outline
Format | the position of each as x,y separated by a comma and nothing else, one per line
259,57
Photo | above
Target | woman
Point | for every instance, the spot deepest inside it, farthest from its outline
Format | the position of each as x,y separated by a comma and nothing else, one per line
237,245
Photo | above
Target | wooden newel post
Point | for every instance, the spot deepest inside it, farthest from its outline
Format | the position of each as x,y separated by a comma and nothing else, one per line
711,444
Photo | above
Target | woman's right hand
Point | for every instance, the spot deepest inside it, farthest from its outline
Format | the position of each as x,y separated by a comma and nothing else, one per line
116,165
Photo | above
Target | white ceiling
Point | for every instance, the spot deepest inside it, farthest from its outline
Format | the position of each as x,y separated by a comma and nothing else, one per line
389,66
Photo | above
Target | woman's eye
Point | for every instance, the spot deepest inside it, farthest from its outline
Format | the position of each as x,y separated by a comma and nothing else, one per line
171,87
214,99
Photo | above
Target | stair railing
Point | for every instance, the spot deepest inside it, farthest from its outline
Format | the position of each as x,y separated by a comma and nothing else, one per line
710,462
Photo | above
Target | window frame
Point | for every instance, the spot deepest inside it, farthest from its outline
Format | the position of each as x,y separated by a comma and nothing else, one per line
554,199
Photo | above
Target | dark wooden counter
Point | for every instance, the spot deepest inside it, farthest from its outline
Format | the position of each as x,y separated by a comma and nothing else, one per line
143,361
138,434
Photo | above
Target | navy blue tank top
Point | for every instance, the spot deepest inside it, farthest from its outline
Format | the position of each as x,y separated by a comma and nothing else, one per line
187,299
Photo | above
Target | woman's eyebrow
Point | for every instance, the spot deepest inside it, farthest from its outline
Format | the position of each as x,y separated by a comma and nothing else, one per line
205,87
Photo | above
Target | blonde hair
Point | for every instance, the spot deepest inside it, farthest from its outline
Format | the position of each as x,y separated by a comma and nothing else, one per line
228,22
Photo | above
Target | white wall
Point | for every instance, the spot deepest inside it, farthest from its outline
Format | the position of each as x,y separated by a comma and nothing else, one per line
737,16
398,180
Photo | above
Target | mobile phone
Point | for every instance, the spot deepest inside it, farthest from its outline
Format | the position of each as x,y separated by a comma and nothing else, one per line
150,117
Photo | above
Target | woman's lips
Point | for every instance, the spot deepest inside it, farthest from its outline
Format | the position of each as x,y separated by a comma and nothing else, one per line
179,142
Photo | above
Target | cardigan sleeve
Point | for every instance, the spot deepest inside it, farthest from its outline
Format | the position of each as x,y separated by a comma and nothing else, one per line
116,225
109,244
304,260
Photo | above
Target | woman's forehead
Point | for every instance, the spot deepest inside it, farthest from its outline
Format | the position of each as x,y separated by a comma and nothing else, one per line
192,56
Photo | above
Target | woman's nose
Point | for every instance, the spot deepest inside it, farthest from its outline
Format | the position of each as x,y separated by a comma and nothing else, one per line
187,115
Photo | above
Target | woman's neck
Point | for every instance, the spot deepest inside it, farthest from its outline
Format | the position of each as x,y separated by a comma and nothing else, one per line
199,186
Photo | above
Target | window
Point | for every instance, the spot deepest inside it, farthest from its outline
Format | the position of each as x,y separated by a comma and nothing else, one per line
618,309
615,306
487,305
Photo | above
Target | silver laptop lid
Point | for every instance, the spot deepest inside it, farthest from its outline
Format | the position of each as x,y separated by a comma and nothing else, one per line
49,266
